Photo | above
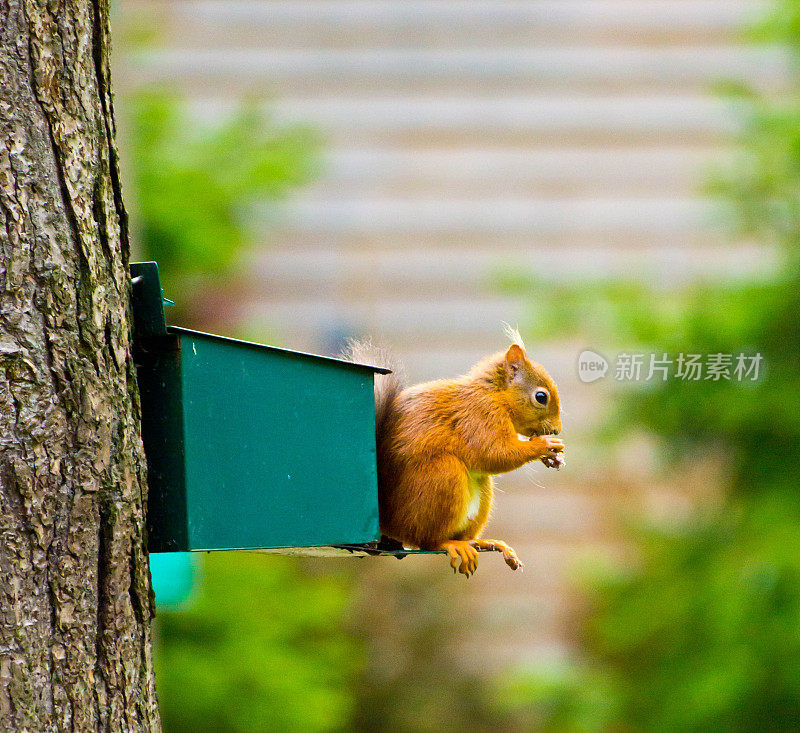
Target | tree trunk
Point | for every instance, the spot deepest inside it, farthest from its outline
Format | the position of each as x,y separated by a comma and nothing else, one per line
75,600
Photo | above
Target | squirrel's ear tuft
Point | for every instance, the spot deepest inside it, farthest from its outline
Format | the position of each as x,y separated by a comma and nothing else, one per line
514,358
513,335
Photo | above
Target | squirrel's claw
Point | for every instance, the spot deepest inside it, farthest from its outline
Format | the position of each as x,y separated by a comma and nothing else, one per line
463,556
554,460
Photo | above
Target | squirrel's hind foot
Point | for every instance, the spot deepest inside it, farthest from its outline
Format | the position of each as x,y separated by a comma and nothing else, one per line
508,552
463,556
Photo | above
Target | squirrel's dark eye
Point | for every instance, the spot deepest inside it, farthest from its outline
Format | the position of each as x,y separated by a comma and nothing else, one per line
540,397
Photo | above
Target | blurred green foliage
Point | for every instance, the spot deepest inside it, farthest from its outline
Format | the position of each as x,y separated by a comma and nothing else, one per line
557,700
704,632
415,680
262,648
195,184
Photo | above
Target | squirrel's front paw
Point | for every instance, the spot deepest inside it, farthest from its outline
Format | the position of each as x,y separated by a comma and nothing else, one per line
546,446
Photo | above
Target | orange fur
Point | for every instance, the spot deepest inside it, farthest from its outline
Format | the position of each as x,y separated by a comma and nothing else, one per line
438,439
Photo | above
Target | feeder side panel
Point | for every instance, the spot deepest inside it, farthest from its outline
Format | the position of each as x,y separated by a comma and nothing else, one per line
280,447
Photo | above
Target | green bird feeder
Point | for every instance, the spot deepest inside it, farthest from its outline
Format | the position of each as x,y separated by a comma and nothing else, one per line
252,447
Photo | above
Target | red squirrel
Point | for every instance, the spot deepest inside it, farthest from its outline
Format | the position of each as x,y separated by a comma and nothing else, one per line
439,443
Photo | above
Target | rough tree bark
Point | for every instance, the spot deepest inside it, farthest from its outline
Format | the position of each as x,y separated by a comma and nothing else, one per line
74,583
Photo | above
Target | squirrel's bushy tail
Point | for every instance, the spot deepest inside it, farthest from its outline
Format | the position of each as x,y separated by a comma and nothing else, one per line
387,386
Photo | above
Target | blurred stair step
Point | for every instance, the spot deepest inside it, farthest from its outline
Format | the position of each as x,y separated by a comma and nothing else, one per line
355,71
427,270
523,217
475,318
512,171
542,120
342,23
